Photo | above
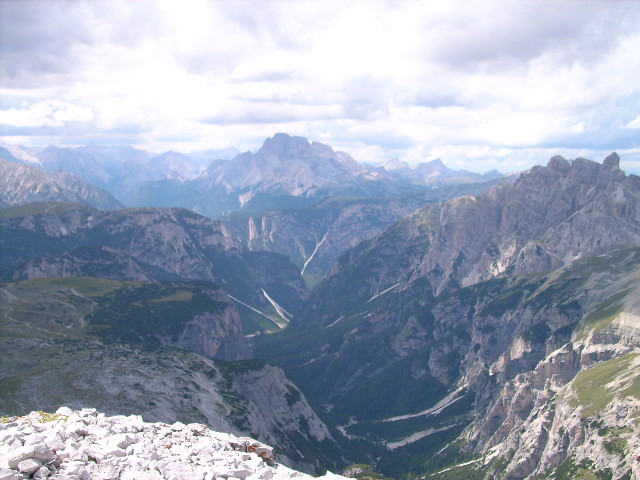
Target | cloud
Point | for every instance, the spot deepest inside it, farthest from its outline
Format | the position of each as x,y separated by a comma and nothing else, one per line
46,113
411,79
633,124
493,34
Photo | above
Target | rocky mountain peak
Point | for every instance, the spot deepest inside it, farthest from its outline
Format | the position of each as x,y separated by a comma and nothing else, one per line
612,160
559,164
322,150
437,163
548,218
283,144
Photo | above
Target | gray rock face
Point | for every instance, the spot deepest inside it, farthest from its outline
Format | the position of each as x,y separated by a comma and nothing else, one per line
612,160
143,244
103,262
315,236
22,184
86,444
479,310
548,218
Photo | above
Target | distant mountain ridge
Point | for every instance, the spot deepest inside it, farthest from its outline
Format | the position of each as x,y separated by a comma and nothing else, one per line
287,171
118,169
286,167
433,172
21,184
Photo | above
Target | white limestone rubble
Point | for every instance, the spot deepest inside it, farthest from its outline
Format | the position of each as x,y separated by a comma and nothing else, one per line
87,445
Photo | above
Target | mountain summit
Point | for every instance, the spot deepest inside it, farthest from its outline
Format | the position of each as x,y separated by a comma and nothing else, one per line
286,171
287,165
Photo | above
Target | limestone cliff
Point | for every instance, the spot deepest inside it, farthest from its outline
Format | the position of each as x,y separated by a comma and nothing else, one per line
156,244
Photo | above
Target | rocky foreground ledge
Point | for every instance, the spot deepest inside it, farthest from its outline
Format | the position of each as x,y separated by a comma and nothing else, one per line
86,445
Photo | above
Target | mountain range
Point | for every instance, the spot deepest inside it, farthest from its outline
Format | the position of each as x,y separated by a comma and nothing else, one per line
449,335
433,172
286,171
148,244
21,184
430,323
120,170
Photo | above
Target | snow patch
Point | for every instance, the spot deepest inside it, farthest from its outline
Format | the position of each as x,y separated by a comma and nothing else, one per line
333,323
286,316
383,292
418,436
315,250
255,310
435,410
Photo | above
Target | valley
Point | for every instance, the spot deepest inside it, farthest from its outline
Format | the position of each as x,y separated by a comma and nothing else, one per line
467,327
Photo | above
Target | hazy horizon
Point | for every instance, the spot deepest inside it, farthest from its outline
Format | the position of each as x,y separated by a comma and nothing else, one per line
481,85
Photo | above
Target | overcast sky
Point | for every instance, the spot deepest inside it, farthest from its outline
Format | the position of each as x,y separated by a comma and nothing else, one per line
480,85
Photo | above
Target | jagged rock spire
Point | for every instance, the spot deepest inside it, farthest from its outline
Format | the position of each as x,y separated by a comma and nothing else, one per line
612,160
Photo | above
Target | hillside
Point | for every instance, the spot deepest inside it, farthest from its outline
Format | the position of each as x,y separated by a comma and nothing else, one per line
314,236
70,240
467,332
141,348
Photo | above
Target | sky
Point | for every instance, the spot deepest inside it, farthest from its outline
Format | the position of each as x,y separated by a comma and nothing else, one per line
478,84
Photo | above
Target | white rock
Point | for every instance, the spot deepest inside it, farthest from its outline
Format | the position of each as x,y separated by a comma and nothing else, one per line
6,474
178,426
87,445
34,439
43,472
113,451
122,440
64,411
18,455
29,466
55,442
77,468
137,475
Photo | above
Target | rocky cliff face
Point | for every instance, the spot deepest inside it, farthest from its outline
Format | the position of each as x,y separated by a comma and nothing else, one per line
314,236
431,345
21,184
549,217
92,342
490,369
144,244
